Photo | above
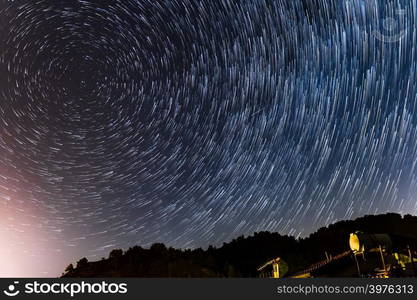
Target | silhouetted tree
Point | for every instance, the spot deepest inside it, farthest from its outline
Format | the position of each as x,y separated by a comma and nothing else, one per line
82,263
70,268
116,253
158,248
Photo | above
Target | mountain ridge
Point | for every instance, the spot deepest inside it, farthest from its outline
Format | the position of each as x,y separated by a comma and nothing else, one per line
242,256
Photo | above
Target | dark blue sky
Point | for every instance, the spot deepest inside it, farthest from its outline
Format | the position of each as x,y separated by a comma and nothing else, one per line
192,122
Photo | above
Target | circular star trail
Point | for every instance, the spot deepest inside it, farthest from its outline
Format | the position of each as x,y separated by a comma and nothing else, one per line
192,122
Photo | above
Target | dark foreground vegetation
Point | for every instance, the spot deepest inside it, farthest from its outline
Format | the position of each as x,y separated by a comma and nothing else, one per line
242,256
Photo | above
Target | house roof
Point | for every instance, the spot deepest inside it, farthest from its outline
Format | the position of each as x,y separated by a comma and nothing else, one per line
272,261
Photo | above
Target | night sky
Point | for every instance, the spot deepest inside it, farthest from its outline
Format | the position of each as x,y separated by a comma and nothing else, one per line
191,122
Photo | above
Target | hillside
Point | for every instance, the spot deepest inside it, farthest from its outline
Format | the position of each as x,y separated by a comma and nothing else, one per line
242,256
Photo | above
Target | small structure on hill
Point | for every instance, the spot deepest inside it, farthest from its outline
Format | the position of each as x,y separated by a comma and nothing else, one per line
275,268
392,253
361,243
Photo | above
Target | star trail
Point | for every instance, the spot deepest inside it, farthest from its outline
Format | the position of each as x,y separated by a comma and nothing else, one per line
191,122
